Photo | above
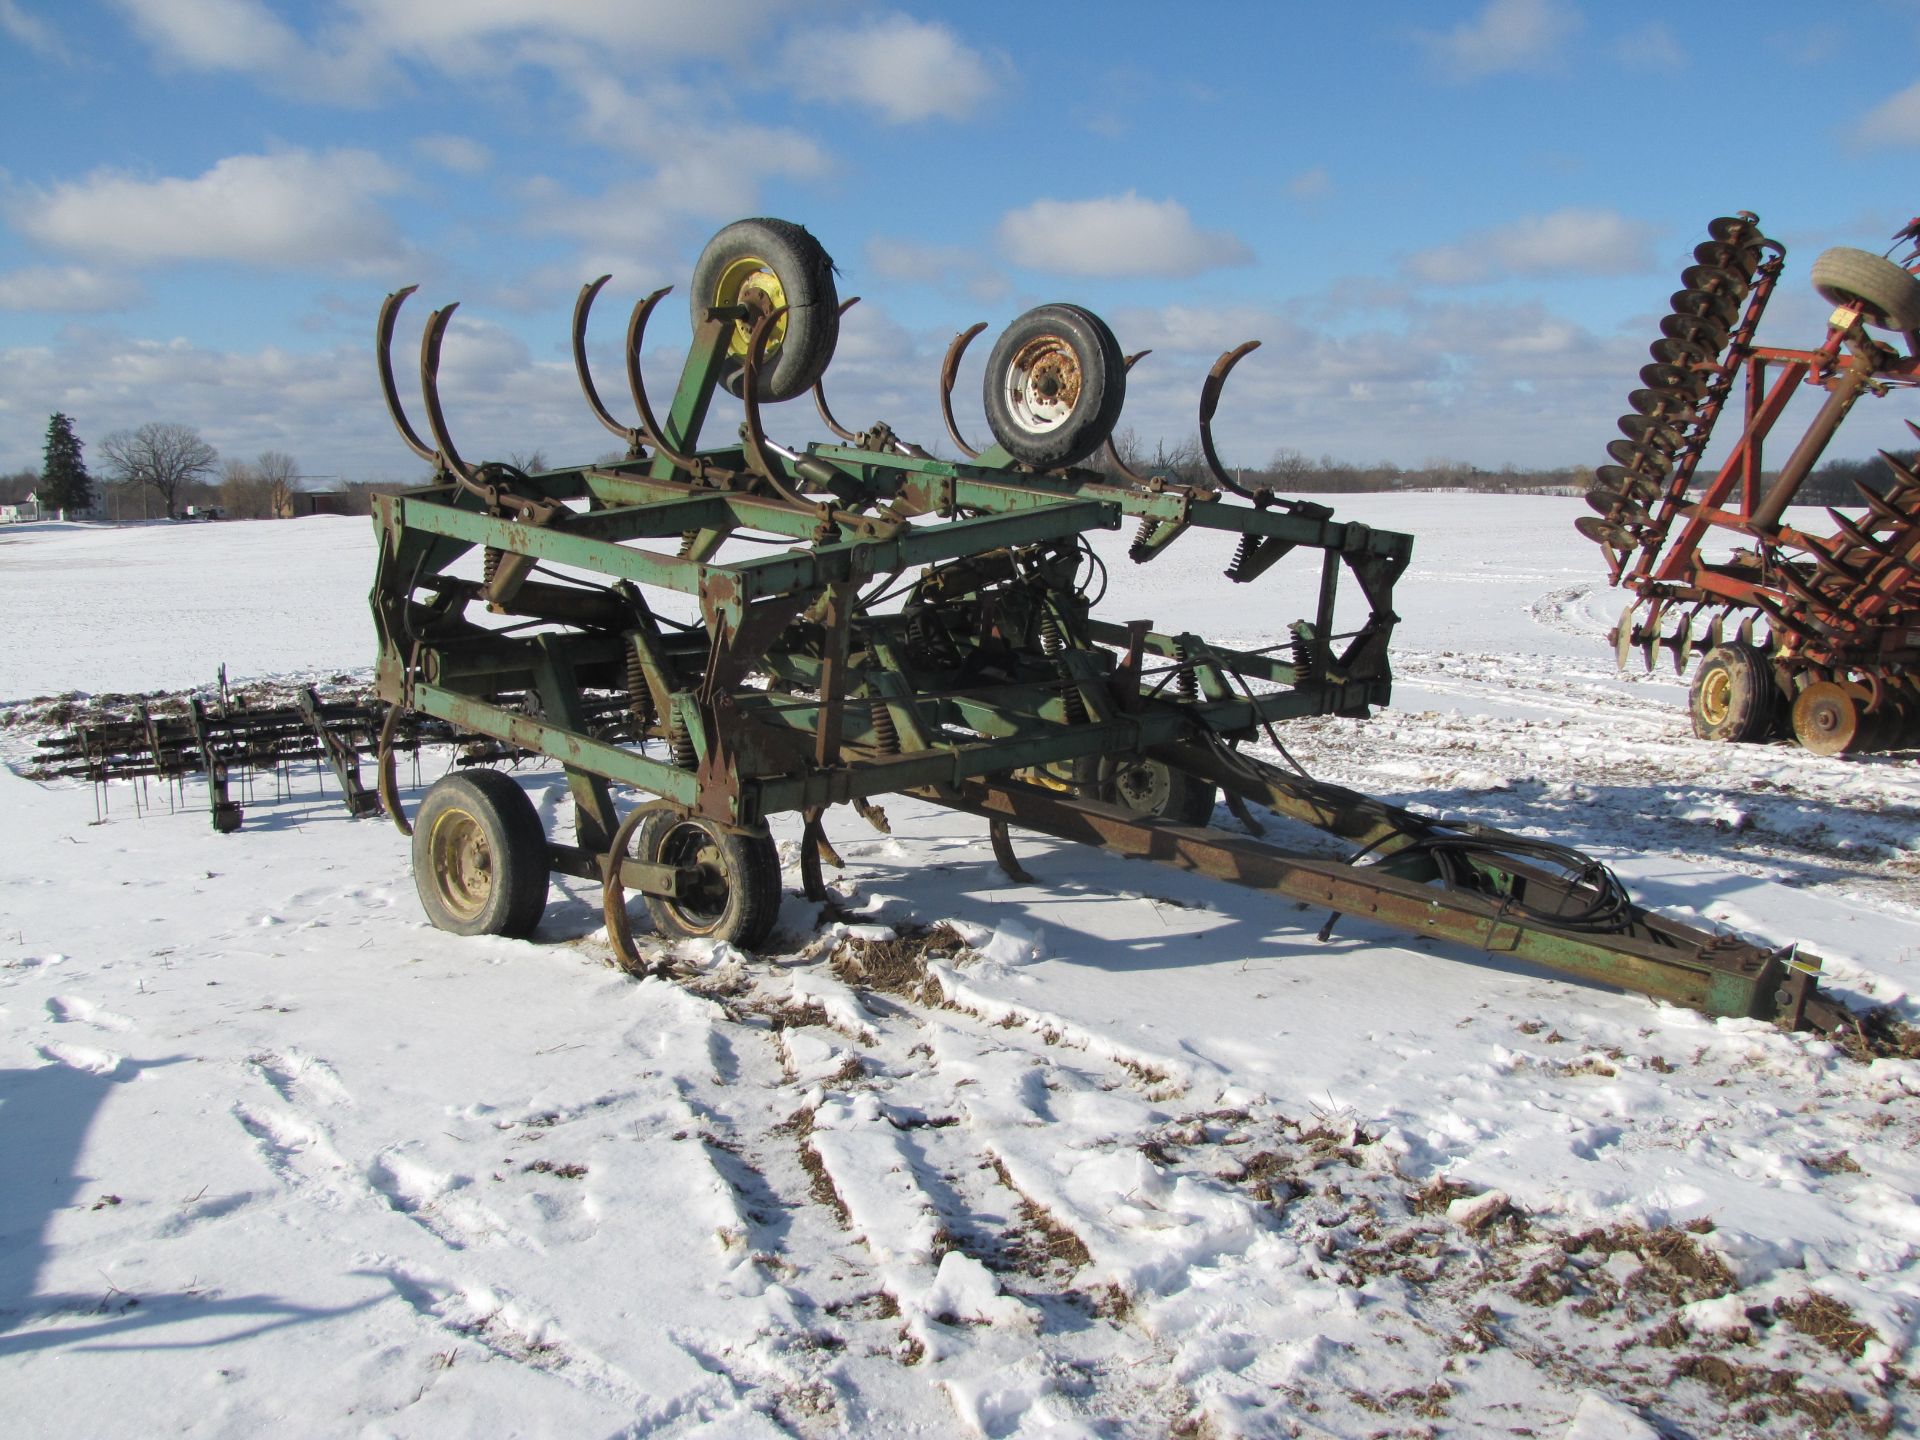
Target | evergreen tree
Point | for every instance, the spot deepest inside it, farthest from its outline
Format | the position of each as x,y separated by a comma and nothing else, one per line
64,482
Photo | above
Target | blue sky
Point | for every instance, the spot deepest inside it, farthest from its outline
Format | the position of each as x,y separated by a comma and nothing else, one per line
1454,226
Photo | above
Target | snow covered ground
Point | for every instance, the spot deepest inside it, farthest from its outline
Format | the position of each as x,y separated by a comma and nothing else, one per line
1119,1152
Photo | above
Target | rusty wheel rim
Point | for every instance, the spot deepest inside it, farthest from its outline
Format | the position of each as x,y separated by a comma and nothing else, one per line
701,906
1043,384
1716,695
462,863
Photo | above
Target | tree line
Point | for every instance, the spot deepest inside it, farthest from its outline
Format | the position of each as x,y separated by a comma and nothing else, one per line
169,467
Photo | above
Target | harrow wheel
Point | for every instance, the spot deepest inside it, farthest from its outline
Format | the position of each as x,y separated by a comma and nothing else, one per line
1890,294
1827,719
480,856
1732,696
737,895
1054,386
764,265
1152,787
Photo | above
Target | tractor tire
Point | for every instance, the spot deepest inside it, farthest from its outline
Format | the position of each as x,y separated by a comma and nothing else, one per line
480,856
1732,699
1054,387
1891,295
771,263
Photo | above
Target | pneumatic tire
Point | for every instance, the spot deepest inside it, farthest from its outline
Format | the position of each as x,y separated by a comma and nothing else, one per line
480,856
1054,387
1891,294
770,263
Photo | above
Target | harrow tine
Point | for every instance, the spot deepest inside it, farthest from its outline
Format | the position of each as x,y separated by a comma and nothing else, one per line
753,437
581,308
1113,453
636,333
430,389
820,390
383,349
949,372
1210,402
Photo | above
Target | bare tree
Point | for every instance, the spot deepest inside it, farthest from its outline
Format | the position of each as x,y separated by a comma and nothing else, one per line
278,471
244,492
159,456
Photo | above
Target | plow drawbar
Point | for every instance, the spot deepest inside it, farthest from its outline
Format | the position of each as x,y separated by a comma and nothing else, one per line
787,630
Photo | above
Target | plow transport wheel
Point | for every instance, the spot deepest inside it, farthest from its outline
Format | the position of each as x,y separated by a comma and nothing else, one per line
737,895
480,856
1732,696
765,264
1890,294
1827,720
1151,787
1054,386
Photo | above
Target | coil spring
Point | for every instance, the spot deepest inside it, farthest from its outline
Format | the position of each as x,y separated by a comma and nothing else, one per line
639,696
681,743
1303,656
885,733
1143,539
1187,682
1242,557
489,564
687,539
1050,638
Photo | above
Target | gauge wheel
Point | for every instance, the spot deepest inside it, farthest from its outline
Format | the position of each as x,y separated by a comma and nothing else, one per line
735,892
1732,698
1890,295
480,856
764,265
1054,387
1153,787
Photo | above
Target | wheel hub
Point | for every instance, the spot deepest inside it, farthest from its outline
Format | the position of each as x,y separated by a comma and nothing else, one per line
1045,383
462,863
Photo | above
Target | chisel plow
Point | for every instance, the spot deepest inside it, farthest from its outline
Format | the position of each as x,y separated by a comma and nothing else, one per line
794,628
1818,630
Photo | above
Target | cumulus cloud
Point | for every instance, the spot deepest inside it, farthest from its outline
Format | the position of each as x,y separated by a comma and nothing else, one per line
951,267
1650,47
1894,121
459,153
1568,241
906,69
1115,236
214,34
31,31
1311,184
290,209
1507,35
69,288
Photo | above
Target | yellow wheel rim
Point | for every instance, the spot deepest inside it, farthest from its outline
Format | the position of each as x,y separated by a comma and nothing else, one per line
462,863
750,281
1716,695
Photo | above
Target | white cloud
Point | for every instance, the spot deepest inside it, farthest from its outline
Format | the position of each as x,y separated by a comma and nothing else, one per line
1507,35
1650,47
70,288
906,69
293,208
458,153
31,31
1311,184
1894,121
214,34
1568,241
1116,235
949,267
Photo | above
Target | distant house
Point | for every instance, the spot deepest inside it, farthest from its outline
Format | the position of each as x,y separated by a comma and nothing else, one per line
18,514
315,502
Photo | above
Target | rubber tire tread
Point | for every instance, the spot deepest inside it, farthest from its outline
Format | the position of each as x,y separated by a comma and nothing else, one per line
1752,705
805,272
751,908
1843,273
515,836
1102,365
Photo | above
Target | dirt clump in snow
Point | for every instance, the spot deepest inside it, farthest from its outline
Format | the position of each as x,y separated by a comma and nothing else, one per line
898,966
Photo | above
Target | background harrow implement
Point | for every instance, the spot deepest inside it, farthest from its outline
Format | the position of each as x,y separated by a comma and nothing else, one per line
1819,631
791,629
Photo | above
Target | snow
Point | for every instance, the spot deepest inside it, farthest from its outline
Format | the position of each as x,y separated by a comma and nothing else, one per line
1125,1153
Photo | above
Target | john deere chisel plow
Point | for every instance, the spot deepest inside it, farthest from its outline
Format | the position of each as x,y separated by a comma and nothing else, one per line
1816,627
791,629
